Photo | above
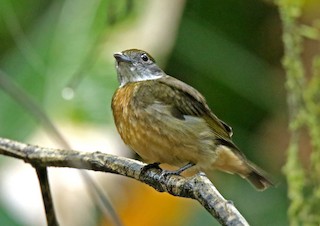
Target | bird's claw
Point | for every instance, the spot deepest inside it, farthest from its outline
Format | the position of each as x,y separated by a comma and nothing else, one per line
154,165
165,173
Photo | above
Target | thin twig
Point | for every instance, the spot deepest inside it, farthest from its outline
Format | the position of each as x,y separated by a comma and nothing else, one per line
198,187
42,173
27,102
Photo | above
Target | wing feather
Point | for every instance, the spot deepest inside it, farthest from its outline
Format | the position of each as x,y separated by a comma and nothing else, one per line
188,101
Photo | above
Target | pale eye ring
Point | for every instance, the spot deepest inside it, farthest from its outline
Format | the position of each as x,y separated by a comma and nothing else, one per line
144,57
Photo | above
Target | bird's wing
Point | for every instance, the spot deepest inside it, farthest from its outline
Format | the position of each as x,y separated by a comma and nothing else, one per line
185,100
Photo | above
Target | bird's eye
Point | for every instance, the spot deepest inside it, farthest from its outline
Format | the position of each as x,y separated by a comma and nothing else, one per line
144,57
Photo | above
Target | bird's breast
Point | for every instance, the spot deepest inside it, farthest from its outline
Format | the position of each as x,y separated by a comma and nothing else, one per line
156,135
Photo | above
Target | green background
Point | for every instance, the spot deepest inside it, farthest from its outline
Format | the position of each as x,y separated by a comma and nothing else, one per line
229,50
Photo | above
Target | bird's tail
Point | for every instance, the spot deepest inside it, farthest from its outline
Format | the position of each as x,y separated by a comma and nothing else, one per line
230,159
257,177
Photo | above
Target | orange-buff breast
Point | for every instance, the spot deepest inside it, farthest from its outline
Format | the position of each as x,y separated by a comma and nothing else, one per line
157,136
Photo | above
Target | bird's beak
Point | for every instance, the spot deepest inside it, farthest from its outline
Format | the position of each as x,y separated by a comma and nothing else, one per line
122,58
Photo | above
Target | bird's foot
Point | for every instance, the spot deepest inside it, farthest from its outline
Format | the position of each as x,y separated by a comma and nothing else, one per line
154,165
166,173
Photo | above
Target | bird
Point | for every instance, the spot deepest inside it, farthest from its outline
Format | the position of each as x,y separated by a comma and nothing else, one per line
165,120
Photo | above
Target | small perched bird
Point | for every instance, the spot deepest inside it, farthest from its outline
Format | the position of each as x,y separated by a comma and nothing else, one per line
167,121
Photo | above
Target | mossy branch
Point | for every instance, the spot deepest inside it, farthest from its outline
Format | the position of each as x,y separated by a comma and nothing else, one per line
303,106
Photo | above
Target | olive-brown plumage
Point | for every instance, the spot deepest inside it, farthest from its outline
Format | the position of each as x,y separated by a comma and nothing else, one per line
167,121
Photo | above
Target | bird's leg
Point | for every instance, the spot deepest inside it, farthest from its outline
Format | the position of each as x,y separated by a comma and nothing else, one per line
178,171
165,173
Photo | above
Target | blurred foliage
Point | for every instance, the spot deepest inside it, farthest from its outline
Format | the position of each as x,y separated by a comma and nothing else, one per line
229,50
48,51
44,46
6,218
303,103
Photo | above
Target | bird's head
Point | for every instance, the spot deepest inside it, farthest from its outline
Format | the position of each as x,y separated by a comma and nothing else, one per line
135,65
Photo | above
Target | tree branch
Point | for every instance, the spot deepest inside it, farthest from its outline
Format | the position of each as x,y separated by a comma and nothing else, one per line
197,187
